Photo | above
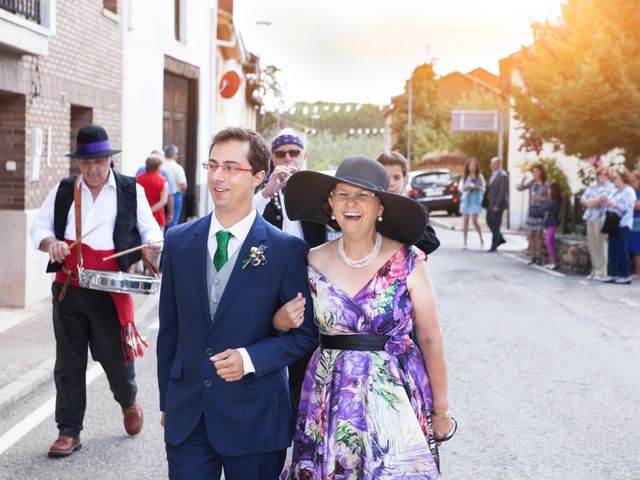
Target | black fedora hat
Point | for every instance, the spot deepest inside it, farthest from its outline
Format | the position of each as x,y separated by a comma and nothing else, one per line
92,141
403,219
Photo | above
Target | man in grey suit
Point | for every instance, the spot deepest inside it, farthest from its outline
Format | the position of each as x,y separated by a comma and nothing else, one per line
498,200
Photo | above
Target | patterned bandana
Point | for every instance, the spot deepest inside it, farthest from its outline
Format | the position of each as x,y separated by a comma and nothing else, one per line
286,139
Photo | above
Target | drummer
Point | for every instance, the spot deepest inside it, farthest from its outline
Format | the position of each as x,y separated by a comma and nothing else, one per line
114,216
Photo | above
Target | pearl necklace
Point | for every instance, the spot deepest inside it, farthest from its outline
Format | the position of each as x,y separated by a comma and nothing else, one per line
363,262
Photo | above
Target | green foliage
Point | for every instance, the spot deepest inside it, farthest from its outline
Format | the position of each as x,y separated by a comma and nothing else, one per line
430,119
481,145
582,80
326,149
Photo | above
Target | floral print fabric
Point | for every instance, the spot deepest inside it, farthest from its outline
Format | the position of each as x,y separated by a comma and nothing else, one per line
366,415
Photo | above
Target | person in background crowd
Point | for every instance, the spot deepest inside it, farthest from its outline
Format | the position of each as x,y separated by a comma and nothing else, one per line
594,216
398,169
472,186
114,215
621,202
288,156
155,187
497,202
170,186
634,236
179,181
538,197
551,223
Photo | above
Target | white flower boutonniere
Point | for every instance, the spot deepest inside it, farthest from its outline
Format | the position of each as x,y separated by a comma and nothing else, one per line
256,257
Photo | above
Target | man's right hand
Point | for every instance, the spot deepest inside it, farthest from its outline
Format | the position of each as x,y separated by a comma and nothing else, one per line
278,179
57,250
290,315
162,419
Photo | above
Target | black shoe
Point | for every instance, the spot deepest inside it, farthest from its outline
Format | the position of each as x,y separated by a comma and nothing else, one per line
501,241
492,250
534,260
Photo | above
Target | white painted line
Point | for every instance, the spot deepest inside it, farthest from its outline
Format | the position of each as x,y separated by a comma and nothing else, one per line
629,302
34,419
537,267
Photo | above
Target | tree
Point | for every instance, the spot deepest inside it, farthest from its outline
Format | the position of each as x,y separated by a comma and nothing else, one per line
581,80
430,120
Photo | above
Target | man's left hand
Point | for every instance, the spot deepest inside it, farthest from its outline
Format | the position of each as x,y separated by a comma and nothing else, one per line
228,365
152,252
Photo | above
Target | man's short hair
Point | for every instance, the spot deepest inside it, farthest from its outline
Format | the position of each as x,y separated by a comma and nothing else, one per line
259,155
394,158
171,150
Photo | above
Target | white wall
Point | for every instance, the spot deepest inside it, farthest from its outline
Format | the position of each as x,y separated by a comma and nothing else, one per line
149,36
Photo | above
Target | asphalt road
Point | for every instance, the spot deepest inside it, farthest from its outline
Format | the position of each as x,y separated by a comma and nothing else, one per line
543,377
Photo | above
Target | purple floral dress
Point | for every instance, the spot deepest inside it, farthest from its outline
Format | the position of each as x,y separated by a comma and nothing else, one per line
366,415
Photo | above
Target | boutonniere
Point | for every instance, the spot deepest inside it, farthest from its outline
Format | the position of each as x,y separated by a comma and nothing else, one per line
256,257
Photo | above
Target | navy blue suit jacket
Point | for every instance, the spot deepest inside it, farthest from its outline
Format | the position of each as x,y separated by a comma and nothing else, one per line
252,415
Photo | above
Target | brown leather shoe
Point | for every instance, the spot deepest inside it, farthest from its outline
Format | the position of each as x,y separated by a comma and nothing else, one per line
64,446
133,418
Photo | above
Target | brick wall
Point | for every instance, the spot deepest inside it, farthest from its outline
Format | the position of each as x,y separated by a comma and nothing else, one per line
84,68
12,142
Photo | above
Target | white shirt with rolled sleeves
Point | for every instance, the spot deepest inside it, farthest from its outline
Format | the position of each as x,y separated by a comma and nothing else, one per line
100,213
292,227
239,230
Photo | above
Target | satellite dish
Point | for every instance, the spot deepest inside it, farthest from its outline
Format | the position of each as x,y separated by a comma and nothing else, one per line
229,84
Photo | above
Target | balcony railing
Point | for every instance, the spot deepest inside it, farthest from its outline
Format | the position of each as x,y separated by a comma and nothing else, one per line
29,9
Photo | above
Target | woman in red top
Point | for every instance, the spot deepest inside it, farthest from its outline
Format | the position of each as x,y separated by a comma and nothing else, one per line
155,187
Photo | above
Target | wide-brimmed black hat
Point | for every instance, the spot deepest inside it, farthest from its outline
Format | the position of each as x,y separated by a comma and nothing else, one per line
403,219
92,141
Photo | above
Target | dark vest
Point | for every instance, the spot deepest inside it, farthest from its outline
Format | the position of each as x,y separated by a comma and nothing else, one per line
314,233
125,232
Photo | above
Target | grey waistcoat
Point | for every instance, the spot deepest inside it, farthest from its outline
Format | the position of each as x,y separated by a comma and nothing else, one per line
217,281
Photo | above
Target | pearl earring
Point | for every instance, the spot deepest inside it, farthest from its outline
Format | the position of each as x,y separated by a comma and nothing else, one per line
333,217
380,217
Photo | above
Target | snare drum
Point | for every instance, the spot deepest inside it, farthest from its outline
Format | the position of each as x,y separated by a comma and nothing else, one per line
119,282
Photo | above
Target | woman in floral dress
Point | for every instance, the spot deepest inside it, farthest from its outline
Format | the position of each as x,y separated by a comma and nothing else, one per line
372,405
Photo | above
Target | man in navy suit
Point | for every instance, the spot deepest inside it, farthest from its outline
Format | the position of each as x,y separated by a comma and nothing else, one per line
222,378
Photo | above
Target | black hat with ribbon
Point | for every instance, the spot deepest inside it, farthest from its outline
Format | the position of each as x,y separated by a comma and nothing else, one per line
92,141
307,192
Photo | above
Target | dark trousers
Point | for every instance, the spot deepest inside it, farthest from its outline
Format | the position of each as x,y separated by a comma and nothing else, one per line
196,459
494,221
297,371
618,254
87,318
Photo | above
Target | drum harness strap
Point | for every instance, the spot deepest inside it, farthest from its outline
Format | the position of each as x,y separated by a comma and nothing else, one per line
77,200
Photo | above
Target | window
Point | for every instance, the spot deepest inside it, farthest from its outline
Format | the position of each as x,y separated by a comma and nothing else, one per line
111,5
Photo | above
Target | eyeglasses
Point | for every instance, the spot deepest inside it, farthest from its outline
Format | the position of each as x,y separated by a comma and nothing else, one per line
283,153
228,169
360,196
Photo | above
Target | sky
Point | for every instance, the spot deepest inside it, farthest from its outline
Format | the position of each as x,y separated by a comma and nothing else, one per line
364,50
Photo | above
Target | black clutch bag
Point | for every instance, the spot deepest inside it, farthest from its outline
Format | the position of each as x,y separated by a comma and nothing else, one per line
611,223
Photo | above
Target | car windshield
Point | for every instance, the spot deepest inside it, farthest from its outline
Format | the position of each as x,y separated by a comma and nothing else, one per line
441,178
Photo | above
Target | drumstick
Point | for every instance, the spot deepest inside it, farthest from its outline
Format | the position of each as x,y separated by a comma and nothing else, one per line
73,244
131,250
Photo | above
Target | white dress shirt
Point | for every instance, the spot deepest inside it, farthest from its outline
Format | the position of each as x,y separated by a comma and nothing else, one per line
239,230
99,214
292,227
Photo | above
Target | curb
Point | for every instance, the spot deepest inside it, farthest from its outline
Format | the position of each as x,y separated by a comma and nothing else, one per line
447,226
43,373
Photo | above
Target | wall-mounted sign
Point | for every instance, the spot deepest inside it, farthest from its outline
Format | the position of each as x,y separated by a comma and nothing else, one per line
229,84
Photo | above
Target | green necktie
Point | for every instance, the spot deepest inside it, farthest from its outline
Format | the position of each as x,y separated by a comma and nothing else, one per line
221,256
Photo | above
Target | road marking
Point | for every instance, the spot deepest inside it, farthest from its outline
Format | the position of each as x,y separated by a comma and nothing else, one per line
629,302
36,417
537,267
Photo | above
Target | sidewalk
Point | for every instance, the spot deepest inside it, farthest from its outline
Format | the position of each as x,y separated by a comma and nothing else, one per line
28,347
516,239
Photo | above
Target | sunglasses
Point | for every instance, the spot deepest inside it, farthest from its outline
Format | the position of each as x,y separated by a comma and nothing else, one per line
283,153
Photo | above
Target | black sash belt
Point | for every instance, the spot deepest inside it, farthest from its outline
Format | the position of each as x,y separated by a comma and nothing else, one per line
363,343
